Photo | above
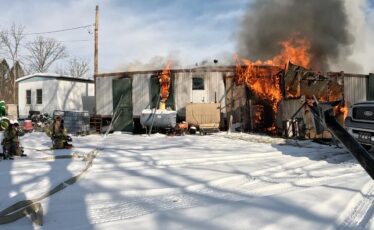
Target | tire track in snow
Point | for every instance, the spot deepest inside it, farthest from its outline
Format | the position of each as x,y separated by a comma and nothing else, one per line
139,206
231,188
267,175
242,158
355,214
136,165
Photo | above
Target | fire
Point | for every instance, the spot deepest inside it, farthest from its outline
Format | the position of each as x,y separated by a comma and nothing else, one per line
259,112
164,80
344,110
264,82
295,50
341,110
261,78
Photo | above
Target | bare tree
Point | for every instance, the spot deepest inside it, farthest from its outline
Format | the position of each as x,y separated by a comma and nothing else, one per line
11,40
77,68
61,70
43,52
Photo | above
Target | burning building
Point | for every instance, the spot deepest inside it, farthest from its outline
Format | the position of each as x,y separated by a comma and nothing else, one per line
257,97
141,90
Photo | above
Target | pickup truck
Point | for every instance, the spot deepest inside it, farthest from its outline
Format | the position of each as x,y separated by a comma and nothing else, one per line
360,123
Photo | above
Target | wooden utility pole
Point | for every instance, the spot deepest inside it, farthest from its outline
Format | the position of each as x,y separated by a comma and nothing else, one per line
96,65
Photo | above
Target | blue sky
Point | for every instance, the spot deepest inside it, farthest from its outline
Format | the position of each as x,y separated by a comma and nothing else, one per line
132,31
187,30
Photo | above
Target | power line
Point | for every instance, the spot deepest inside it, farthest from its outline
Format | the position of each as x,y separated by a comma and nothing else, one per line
87,40
62,30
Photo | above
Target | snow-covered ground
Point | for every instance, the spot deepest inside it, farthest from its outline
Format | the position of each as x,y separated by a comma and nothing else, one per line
239,181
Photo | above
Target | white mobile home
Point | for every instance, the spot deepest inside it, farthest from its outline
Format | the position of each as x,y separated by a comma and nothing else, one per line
141,90
48,92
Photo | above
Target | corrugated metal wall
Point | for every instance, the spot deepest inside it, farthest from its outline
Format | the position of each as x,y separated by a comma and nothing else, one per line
214,88
287,108
140,93
355,88
183,91
104,96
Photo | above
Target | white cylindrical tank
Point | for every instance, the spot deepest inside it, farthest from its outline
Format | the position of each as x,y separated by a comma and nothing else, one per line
159,118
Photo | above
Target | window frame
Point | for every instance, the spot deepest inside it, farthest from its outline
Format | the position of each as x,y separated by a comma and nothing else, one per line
194,87
39,97
28,97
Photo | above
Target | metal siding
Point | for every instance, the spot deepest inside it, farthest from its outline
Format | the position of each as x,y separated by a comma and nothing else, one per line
140,93
70,95
288,108
104,97
355,87
213,83
216,89
50,96
183,91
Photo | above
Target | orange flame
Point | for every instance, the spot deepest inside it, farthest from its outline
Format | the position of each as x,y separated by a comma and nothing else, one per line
341,110
164,80
261,78
295,50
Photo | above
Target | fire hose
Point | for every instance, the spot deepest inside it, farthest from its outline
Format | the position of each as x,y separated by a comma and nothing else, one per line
325,115
34,208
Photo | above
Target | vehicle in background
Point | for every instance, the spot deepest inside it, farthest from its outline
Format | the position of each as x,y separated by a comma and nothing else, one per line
360,123
4,121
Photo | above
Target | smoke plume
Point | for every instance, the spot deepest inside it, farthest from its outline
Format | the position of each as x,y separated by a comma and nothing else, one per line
324,23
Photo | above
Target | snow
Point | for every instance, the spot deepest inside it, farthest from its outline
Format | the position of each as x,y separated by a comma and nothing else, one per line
235,181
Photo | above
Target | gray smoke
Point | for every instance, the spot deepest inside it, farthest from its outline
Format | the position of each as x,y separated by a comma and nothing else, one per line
323,22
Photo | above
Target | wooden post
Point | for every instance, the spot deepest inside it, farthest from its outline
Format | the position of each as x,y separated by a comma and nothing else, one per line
96,65
96,58
232,104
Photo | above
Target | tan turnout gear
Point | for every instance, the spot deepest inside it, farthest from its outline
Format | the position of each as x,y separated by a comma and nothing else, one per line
11,143
58,134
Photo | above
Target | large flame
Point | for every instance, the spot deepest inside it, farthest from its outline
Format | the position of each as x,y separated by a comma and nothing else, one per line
261,77
164,79
295,50
263,81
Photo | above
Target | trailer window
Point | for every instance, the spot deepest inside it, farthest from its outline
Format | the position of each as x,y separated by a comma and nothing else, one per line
39,96
28,97
197,83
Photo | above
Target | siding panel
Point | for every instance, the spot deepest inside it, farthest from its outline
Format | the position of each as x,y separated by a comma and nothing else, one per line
355,87
214,89
183,91
140,93
104,97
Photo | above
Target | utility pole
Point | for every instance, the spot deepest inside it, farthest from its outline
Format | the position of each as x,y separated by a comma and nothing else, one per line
96,65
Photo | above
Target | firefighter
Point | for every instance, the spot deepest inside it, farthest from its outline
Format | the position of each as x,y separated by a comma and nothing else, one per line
19,133
11,142
58,134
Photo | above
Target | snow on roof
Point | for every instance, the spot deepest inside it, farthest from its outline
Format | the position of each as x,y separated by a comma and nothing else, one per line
56,76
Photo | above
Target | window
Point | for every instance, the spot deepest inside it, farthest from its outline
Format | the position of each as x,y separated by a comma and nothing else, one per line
197,83
39,96
28,97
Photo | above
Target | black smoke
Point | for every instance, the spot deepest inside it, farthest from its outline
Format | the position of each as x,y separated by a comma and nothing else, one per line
323,22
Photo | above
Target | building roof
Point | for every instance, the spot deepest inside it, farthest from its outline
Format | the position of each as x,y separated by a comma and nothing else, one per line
158,71
55,76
